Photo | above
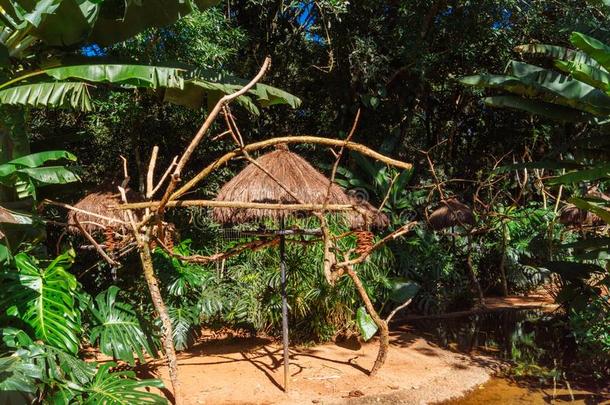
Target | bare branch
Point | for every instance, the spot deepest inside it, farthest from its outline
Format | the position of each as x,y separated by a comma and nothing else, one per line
235,204
150,175
252,246
398,309
287,139
162,180
203,130
93,214
99,249
396,234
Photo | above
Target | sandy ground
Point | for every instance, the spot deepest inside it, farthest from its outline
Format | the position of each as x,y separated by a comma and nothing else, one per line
249,371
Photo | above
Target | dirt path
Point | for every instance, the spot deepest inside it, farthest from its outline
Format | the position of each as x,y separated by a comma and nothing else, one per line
248,371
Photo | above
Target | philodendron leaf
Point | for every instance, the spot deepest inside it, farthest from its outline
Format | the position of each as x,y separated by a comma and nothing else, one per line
365,323
5,254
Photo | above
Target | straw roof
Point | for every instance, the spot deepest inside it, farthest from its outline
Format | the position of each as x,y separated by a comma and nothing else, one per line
367,216
451,212
98,203
571,215
254,185
12,218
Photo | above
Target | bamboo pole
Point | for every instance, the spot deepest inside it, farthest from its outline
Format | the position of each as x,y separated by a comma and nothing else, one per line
284,306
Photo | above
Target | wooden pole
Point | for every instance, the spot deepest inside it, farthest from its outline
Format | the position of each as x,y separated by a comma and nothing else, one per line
284,305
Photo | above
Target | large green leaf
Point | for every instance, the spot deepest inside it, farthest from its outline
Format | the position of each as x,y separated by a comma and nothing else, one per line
112,27
44,299
120,388
49,94
17,380
72,22
135,75
25,173
558,53
5,255
117,329
598,209
571,92
532,106
40,158
596,173
365,323
205,87
546,85
585,73
593,47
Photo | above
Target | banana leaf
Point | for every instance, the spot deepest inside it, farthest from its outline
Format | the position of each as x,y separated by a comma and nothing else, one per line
558,53
537,107
129,74
593,207
593,47
596,173
587,74
49,94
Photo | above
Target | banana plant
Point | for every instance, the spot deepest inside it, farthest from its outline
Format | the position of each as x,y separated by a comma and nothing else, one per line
35,37
28,172
576,89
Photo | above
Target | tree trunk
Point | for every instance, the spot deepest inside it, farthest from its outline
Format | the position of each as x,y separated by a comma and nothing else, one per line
503,261
166,324
384,333
473,276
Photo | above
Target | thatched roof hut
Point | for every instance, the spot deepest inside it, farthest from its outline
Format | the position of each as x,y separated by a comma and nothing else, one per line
99,203
253,184
451,213
8,217
571,215
367,216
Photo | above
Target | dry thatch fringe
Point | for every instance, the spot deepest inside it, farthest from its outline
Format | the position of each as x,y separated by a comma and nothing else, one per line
99,203
451,213
253,185
366,216
571,215
7,216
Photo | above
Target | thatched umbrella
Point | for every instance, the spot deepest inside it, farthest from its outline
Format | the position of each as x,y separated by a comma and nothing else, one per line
451,213
571,215
99,203
366,216
12,218
259,183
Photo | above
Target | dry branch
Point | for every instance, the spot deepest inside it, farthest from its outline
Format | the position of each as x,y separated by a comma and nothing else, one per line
396,234
175,178
288,140
236,204
98,248
200,259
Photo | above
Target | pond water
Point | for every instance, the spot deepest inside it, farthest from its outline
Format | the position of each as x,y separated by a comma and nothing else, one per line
503,391
504,334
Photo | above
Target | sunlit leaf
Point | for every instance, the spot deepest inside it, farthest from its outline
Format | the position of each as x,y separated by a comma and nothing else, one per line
365,323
